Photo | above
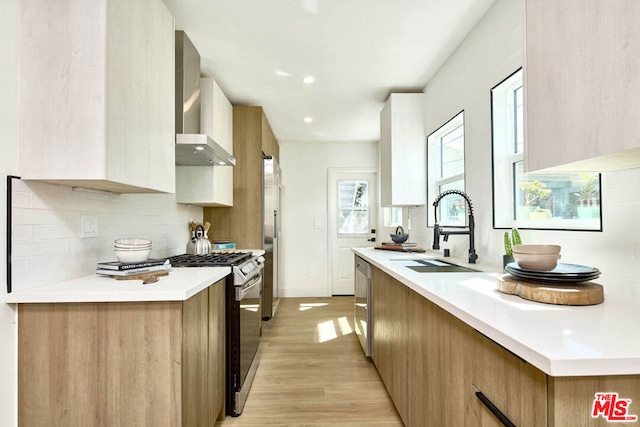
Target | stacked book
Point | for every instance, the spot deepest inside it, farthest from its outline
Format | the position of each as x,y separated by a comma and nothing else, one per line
116,268
393,246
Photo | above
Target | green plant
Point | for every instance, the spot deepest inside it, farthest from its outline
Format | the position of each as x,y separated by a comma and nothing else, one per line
535,193
515,238
507,244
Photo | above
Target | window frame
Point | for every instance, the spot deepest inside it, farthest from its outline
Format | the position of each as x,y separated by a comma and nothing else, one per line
353,208
435,180
504,165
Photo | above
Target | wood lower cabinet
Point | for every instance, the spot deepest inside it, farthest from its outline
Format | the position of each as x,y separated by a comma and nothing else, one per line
571,399
131,363
217,352
513,386
437,365
390,336
433,365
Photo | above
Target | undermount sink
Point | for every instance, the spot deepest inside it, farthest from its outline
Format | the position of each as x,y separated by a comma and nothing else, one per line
436,266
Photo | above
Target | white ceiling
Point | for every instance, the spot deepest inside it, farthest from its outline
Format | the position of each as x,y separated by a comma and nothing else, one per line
359,51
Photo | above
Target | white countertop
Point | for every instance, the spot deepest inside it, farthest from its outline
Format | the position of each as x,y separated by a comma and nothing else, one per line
557,339
179,285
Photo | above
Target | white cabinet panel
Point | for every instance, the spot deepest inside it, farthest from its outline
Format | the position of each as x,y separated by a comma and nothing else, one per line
403,151
96,94
582,91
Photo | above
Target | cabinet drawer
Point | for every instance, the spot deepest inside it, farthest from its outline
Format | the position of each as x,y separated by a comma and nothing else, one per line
515,387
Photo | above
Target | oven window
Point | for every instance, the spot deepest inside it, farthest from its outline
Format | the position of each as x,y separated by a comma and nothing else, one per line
353,207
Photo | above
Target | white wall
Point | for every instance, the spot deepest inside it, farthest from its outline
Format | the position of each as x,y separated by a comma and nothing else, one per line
304,199
491,52
46,239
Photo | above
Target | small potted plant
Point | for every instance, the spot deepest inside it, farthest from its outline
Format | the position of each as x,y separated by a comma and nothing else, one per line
509,241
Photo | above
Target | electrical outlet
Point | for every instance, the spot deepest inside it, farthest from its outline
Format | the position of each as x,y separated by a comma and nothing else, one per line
312,272
89,226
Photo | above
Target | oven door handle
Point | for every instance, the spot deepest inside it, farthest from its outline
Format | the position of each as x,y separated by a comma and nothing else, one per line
242,291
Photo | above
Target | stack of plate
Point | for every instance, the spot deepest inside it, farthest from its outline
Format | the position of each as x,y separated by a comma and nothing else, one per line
563,273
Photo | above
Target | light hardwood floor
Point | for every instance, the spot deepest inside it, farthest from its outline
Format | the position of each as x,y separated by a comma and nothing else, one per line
313,371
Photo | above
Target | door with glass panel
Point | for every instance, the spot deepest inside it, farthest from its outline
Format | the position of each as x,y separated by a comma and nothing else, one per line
352,217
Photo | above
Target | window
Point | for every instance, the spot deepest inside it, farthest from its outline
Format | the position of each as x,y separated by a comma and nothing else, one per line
353,208
445,171
568,201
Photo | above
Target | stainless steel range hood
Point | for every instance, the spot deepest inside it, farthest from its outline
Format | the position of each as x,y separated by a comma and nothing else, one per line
193,148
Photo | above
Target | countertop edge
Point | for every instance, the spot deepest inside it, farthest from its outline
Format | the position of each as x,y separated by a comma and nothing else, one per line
180,285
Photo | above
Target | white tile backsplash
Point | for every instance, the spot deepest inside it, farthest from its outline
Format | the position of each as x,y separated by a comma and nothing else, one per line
46,225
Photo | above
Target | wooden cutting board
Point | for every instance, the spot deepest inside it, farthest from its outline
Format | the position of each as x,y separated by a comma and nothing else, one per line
583,293
150,277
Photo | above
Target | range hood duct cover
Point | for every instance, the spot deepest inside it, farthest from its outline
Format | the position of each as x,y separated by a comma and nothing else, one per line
193,148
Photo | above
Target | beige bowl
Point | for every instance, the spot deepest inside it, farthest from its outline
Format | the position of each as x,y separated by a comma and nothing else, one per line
132,255
542,262
537,249
132,243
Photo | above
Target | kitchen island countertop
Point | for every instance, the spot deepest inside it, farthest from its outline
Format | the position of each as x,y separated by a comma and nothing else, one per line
557,339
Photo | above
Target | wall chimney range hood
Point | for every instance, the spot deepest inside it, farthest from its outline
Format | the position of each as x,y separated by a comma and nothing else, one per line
193,148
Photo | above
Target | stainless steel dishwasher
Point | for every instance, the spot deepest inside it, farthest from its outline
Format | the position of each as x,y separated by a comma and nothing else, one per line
362,292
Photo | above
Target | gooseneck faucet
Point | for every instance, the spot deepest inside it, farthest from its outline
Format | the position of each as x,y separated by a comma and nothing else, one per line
438,231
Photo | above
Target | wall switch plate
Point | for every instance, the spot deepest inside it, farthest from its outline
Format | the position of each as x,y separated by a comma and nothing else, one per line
312,272
89,226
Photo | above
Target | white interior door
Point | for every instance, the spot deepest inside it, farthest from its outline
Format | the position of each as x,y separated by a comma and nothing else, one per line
353,206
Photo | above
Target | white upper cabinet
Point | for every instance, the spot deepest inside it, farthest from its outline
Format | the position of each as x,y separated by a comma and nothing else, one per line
403,151
582,84
97,94
210,185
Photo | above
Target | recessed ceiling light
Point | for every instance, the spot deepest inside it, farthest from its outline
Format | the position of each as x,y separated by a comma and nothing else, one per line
199,148
308,119
308,79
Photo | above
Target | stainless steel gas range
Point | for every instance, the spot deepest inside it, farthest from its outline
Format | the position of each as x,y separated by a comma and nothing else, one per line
244,317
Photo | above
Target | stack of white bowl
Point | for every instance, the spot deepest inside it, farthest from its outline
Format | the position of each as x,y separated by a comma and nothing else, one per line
537,257
132,249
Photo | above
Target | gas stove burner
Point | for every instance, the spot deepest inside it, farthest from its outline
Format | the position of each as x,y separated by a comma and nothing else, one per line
216,259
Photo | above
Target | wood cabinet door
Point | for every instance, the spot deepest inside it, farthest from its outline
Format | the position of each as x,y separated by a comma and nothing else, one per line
572,400
82,364
438,365
195,347
390,336
217,346
517,388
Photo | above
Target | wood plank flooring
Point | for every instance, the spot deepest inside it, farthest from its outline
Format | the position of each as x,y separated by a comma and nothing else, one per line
313,371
